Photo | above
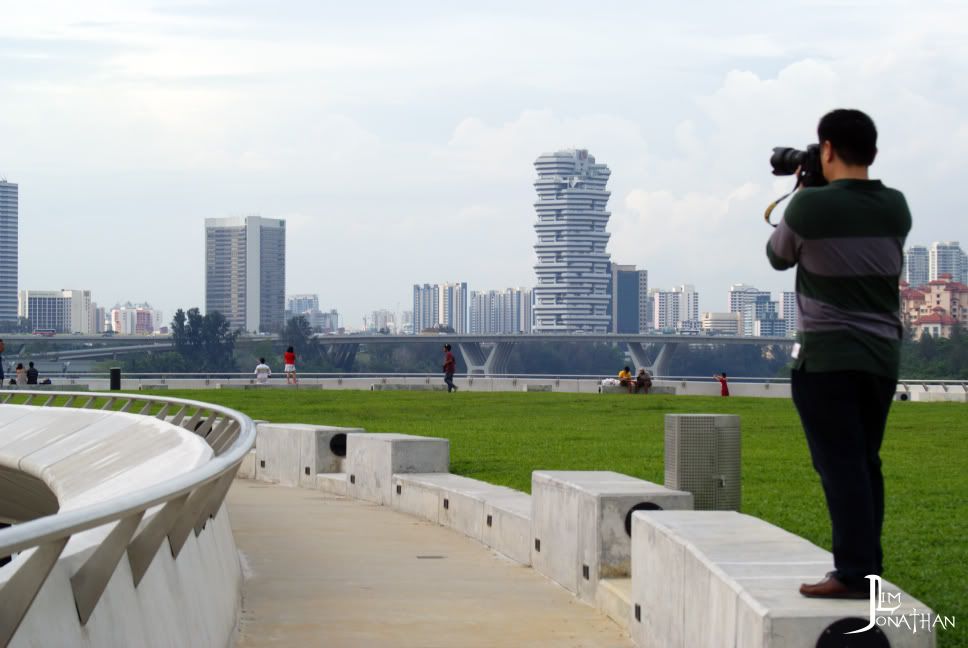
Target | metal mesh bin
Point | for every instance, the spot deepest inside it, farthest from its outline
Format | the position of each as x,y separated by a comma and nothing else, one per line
702,456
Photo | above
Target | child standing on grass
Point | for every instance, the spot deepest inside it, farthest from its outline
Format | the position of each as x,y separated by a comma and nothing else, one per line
289,358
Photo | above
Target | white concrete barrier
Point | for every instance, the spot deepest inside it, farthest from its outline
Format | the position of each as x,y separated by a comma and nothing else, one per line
581,524
292,454
373,459
494,515
720,578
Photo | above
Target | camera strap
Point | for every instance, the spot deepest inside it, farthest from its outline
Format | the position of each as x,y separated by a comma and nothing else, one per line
772,206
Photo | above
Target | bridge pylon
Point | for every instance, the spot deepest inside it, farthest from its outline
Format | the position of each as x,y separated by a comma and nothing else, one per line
488,362
657,367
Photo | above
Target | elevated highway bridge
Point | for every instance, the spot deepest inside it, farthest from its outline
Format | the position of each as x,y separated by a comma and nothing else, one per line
483,354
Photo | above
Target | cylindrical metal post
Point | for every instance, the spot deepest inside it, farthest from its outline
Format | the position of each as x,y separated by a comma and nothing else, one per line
115,378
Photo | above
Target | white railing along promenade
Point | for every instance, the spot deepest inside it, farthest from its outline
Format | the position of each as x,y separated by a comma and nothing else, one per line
185,504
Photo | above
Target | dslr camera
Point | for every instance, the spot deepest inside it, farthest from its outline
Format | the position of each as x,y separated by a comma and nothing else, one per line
786,161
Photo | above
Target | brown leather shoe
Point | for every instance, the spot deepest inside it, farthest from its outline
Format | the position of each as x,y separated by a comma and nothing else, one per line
831,587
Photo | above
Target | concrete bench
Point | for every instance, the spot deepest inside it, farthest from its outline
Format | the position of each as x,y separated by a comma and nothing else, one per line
619,389
721,578
372,460
581,524
494,515
293,454
407,387
537,388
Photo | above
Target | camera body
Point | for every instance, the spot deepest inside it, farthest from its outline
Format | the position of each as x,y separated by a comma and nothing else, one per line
786,161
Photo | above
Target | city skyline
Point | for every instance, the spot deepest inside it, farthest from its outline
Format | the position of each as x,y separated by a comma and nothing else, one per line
388,165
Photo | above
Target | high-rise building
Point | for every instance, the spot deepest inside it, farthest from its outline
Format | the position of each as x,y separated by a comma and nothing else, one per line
245,271
741,294
788,311
629,305
300,304
722,323
756,308
440,305
677,309
9,225
382,320
500,311
322,322
571,293
100,317
947,257
61,311
916,266
136,319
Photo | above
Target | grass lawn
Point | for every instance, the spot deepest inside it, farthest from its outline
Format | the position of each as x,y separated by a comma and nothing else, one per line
502,437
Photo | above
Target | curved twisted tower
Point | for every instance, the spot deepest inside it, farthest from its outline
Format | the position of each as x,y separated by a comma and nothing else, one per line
571,293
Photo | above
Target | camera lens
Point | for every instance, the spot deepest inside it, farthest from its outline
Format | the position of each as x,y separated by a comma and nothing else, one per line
785,160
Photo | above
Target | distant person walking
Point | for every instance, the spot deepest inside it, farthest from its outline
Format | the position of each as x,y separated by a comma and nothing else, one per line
723,385
21,374
31,374
262,372
450,365
289,359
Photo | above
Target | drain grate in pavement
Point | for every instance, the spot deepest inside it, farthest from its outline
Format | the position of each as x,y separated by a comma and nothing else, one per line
431,557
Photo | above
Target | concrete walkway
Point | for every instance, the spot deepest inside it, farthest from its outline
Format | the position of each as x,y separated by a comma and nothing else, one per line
327,571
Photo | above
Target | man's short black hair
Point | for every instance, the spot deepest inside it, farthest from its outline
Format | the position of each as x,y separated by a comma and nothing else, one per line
447,347
851,133
31,364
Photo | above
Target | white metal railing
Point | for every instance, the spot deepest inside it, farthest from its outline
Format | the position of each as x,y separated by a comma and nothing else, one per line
187,503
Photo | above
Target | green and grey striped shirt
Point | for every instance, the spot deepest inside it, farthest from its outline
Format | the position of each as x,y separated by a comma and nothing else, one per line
847,241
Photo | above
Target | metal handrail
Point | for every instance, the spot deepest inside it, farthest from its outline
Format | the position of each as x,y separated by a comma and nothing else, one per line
189,500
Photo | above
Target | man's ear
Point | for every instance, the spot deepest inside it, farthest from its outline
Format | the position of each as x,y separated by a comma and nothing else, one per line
827,151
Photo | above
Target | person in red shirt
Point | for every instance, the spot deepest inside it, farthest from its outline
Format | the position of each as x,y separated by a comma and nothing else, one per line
289,359
724,386
450,364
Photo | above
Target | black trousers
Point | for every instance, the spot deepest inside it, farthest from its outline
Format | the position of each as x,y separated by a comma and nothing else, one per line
449,379
843,415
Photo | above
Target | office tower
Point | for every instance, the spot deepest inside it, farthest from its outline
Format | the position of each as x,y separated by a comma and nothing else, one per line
722,323
788,311
499,311
299,304
60,311
245,271
9,225
677,309
136,319
100,316
629,305
440,306
916,266
947,257
571,293
322,322
382,320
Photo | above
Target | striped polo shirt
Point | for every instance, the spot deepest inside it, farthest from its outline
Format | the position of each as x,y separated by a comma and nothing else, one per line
847,241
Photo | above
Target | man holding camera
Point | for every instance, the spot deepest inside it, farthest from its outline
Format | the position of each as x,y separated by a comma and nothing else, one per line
847,240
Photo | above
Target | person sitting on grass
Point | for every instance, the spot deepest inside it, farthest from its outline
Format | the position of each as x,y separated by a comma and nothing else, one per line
625,378
643,381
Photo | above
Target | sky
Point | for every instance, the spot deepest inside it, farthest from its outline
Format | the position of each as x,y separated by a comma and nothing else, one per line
398,139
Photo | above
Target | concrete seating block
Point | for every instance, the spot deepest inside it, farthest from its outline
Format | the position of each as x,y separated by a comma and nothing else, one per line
373,459
507,526
416,495
407,387
614,599
247,467
462,504
537,388
721,578
654,389
581,524
293,454
332,483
